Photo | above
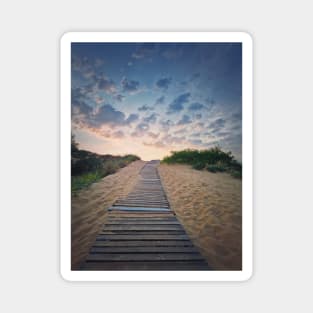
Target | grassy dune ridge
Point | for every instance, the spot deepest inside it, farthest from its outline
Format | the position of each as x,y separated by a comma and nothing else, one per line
88,167
214,160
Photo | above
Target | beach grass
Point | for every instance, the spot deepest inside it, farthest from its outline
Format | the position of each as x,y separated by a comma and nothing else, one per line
213,160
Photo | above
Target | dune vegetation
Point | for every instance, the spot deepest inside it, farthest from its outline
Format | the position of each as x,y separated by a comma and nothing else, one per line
213,160
88,167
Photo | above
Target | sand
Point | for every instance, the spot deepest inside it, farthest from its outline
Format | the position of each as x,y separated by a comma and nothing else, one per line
89,208
209,207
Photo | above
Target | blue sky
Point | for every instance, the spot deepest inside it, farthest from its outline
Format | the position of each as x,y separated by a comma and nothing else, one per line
153,98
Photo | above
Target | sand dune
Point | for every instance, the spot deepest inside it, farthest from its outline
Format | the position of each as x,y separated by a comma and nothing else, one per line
89,208
209,207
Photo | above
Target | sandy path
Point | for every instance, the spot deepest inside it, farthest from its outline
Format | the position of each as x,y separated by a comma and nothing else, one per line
209,207
89,208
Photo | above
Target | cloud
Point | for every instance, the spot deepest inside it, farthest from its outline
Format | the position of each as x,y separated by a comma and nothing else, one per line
146,50
195,106
160,100
196,141
180,131
166,124
98,100
177,104
157,144
172,140
164,83
237,116
79,106
118,134
198,116
145,108
217,124
184,120
106,84
172,52
140,130
130,86
119,97
84,66
210,100
107,115
153,135
132,118
151,119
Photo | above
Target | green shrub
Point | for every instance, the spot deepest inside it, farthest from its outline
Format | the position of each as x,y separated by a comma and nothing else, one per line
83,181
214,160
88,167
236,173
214,168
198,166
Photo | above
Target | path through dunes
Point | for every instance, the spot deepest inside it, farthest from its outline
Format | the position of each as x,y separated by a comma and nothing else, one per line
143,233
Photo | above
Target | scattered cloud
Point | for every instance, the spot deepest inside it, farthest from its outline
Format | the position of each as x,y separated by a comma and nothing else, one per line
119,97
184,120
107,115
195,106
132,118
106,84
140,130
196,141
145,107
180,131
144,51
164,83
130,86
166,124
217,124
177,104
118,134
153,135
151,119
160,100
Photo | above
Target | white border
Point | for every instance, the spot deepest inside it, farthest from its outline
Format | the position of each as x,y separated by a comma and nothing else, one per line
247,157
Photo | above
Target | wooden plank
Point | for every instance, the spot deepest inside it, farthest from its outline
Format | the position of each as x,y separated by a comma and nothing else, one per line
141,214
145,257
147,249
151,209
128,227
142,201
142,232
146,243
146,197
146,266
140,222
142,237
146,204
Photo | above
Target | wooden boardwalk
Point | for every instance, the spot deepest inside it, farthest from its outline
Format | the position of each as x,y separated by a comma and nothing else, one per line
143,233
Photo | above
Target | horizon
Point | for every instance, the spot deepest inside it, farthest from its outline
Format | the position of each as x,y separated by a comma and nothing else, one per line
149,99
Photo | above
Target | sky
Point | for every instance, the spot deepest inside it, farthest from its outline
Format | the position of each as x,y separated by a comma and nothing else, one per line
150,99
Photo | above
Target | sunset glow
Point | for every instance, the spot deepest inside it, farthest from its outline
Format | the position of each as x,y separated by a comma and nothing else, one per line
150,99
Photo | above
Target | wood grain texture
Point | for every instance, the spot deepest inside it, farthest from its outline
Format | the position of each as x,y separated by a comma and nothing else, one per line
143,233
